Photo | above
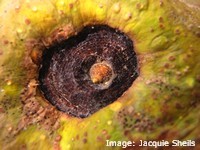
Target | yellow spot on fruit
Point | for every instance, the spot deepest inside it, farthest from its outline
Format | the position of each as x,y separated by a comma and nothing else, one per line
109,122
180,117
116,106
10,129
34,9
190,82
116,8
19,30
62,3
127,16
100,6
9,82
68,146
160,43
17,7
42,137
98,121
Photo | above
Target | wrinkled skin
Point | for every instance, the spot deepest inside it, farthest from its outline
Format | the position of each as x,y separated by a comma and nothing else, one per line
162,103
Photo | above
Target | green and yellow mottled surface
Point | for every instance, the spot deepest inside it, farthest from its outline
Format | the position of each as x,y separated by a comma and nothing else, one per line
163,102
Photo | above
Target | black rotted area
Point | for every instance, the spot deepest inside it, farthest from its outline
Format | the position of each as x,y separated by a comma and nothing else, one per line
64,72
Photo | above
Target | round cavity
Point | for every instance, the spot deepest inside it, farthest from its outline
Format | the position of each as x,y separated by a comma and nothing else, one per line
88,71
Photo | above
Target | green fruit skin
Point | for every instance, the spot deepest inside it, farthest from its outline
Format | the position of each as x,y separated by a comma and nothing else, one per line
163,102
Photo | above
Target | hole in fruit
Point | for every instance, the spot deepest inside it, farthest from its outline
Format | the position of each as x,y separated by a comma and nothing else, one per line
88,71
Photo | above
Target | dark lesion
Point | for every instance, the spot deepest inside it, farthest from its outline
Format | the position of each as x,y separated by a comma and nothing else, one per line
86,72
